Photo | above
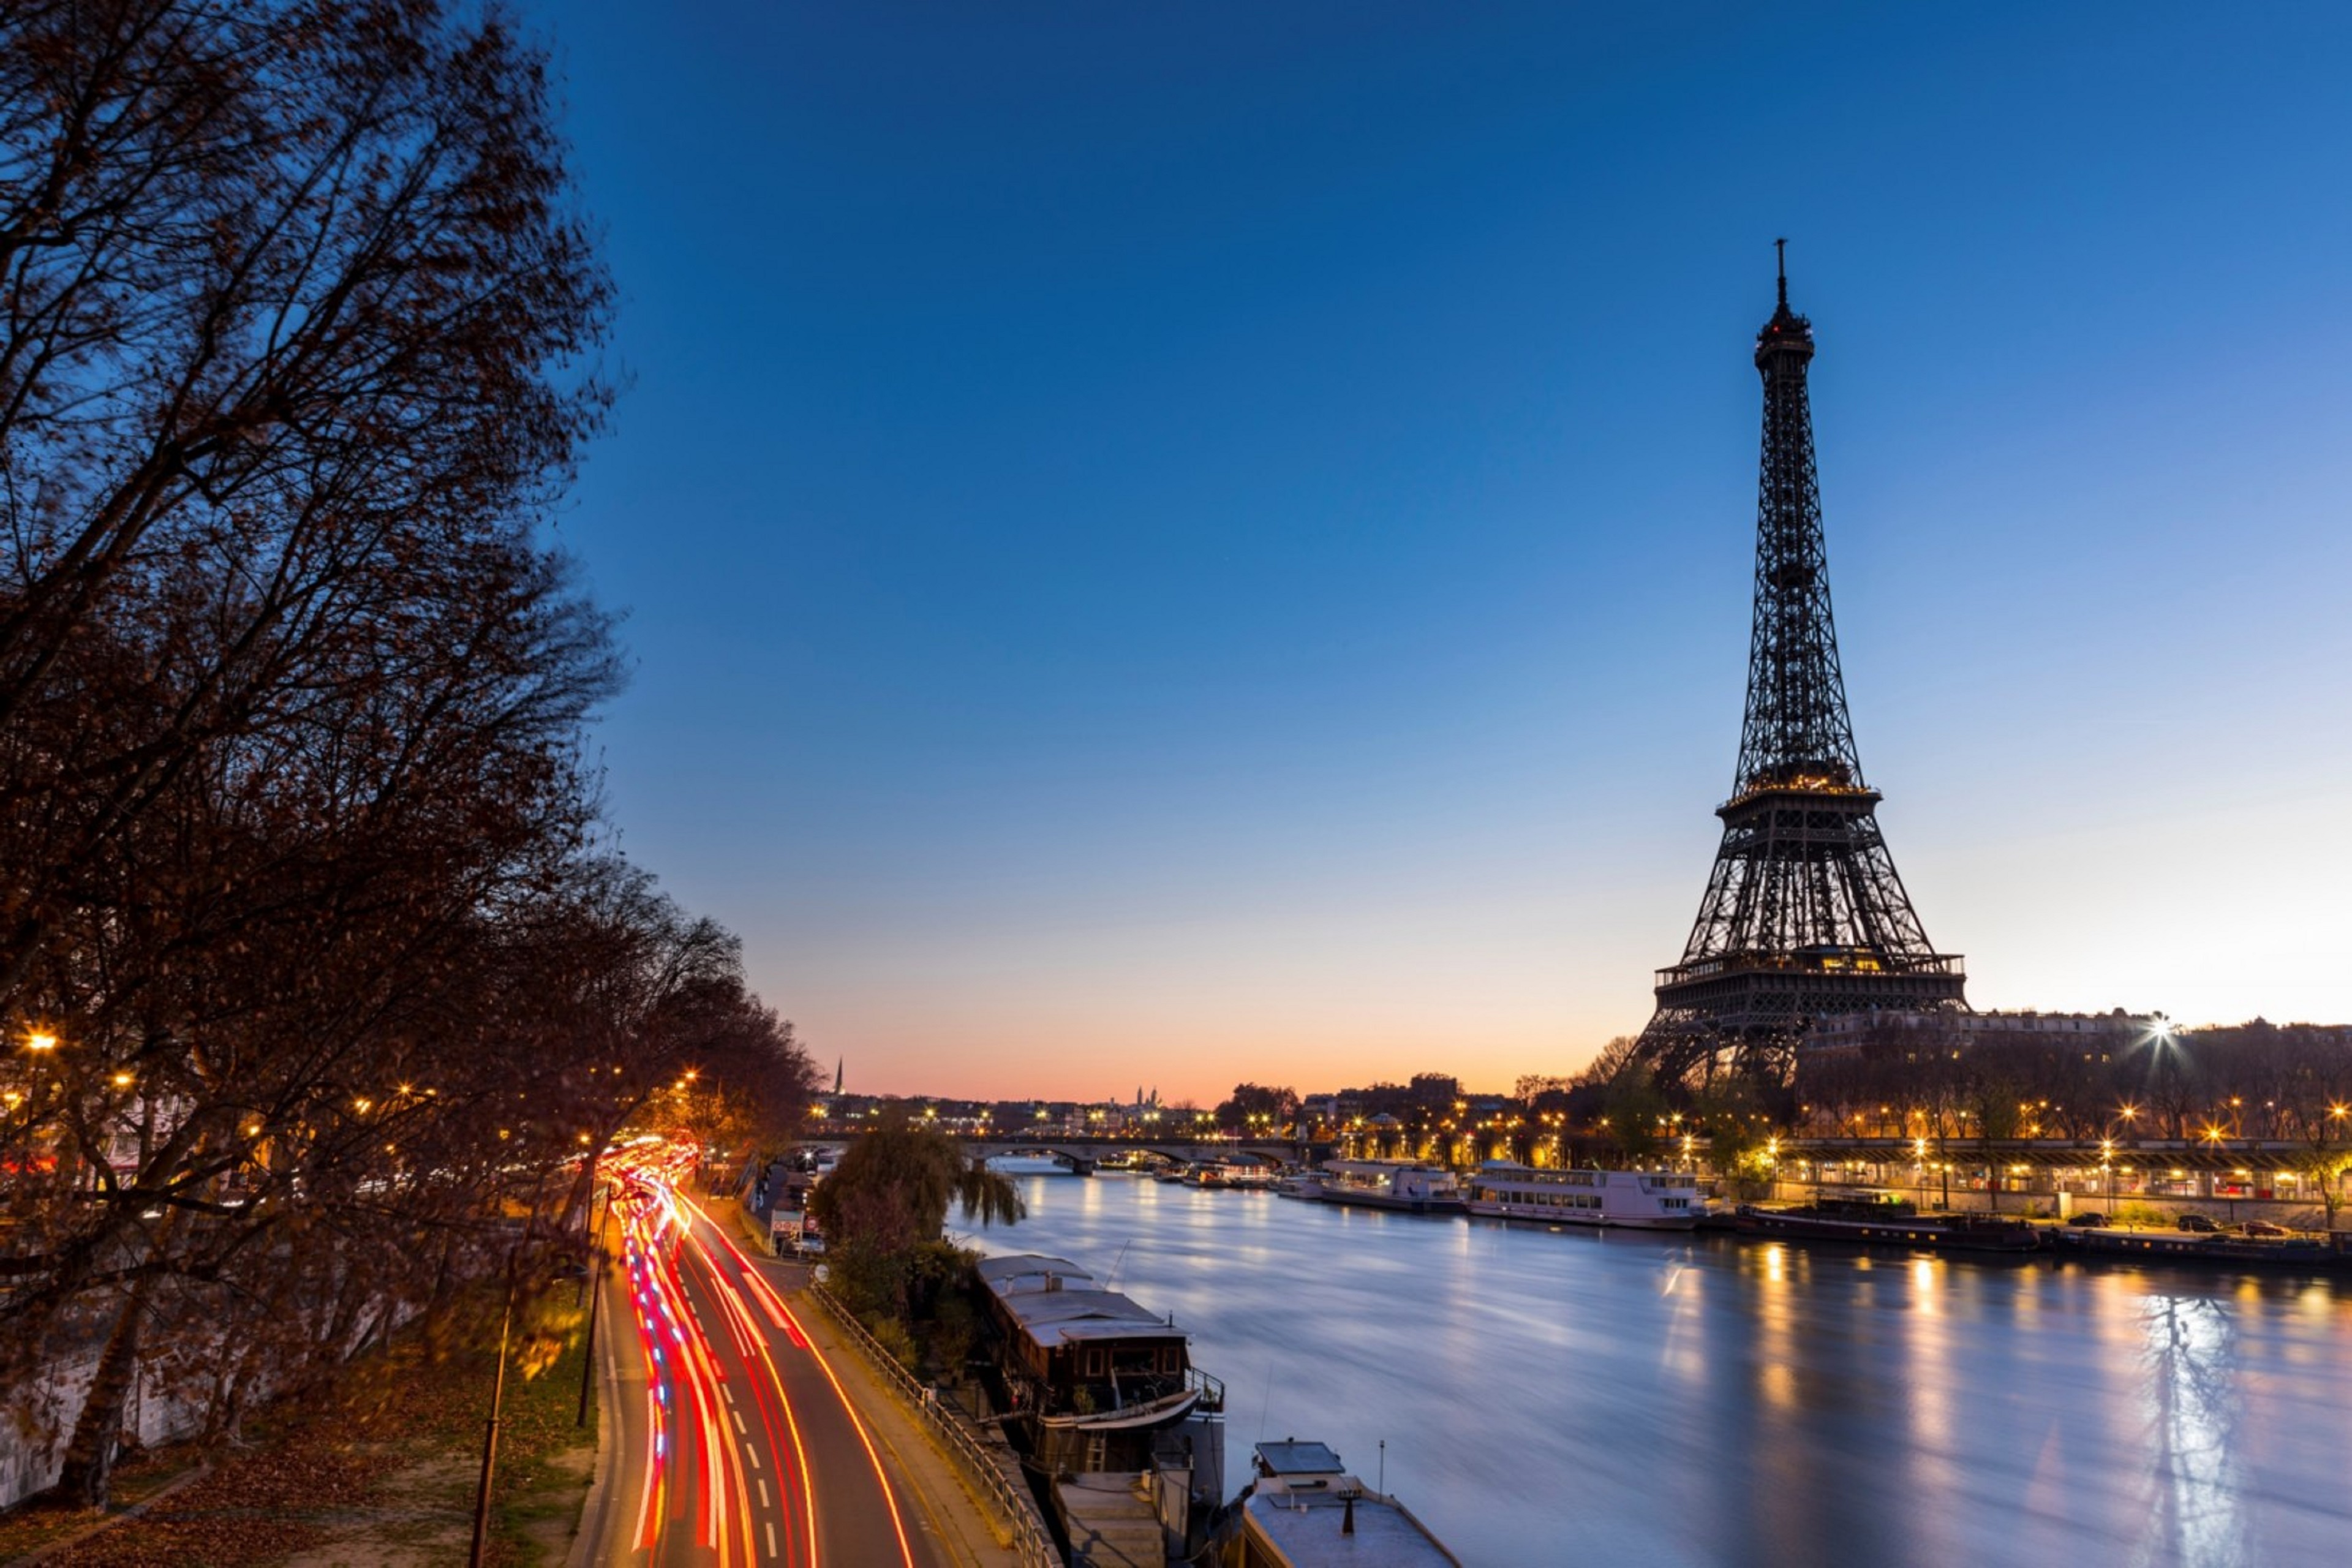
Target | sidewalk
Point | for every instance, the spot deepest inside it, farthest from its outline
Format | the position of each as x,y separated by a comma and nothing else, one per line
963,1527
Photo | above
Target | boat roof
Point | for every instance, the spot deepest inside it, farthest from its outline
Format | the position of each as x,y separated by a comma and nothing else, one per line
1074,1308
999,1273
1305,1528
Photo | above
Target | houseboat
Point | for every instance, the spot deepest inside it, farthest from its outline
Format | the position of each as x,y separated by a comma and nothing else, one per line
1885,1220
2277,1252
1390,1184
1126,1434
1244,1175
1303,1510
1035,1164
1641,1200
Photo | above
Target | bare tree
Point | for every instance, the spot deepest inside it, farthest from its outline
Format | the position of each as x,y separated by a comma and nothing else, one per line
293,312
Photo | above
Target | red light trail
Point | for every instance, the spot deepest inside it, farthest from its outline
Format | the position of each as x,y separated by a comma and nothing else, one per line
746,1424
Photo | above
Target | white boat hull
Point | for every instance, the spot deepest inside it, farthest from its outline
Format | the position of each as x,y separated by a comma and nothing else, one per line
1597,1220
1160,1413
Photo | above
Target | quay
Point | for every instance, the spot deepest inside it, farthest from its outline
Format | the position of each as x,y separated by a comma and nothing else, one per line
1885,1194
2225,1179
2229,1179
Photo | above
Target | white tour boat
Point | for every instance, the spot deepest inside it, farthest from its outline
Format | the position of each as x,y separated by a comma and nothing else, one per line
1641,1199
1241,1174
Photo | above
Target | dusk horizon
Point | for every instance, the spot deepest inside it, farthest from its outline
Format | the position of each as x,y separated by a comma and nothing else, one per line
1266,595
796,785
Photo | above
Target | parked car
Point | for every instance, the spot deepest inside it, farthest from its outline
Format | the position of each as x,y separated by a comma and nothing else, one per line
2196,1222
2264,1228
2086,1217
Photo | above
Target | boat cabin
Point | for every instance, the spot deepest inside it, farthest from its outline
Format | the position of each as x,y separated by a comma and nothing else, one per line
1076,1353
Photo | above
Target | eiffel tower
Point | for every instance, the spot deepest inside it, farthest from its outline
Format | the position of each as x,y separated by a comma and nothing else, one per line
1804,915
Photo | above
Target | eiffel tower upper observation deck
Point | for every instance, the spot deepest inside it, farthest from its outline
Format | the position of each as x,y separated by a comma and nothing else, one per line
1804,914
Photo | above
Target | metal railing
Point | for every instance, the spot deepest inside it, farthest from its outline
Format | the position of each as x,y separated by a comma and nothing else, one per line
1017,1509
1860,965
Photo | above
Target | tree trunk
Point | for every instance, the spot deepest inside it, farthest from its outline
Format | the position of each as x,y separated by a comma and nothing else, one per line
90,1457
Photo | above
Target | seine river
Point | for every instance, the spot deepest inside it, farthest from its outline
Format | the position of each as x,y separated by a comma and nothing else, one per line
1567,1398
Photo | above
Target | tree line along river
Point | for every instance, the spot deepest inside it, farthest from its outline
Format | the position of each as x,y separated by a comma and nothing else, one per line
1616,1397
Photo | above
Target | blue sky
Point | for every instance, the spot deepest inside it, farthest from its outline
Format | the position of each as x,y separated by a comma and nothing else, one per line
1188,543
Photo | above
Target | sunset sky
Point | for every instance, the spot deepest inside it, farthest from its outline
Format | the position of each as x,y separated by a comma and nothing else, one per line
1169,545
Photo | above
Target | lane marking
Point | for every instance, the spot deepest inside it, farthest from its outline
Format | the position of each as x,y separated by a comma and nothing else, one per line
772,1538
763,1498
774,1402
740,1430
725,1460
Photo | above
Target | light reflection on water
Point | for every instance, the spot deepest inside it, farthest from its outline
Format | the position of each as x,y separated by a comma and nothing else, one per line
1567,1398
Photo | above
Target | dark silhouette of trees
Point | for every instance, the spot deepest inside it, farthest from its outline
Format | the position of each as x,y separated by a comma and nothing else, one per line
317,982
2216,1087
1253,1108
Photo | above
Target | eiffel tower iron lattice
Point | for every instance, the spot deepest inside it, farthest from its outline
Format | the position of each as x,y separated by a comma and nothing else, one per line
1804,915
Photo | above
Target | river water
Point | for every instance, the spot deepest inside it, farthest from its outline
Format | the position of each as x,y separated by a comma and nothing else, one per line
1573,1398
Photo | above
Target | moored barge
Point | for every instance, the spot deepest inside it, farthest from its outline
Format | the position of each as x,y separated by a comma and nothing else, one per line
2268,1252
1125,1434
1888,1222
1303,1510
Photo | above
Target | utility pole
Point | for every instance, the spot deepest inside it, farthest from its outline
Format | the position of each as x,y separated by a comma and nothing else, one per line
490,1431
595,1299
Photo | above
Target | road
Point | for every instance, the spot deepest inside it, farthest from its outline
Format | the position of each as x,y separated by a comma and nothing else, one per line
734,1443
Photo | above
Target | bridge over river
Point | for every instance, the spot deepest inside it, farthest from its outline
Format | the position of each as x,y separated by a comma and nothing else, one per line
1083,1154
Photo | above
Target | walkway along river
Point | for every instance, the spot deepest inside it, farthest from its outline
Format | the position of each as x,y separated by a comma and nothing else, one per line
1572,1398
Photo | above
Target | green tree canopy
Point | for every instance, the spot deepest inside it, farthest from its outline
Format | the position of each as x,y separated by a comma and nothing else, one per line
888,1199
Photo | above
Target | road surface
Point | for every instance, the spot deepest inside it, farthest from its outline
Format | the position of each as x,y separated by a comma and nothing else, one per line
733,1441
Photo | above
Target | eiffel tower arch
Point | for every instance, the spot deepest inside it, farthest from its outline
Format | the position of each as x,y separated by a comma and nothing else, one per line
1804,915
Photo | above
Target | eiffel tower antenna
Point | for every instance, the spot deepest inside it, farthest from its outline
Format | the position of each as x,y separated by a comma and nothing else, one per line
1803,915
